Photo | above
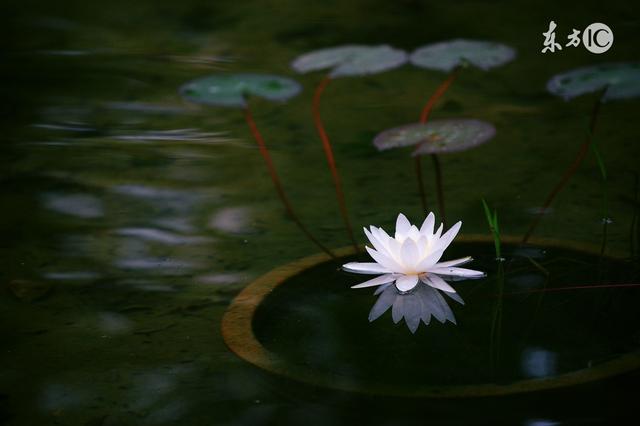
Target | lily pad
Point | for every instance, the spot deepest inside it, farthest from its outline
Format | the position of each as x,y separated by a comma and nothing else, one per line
437,136
351,60
231,90
622,80
447,55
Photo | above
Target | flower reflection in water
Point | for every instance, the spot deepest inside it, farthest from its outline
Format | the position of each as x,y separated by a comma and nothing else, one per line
419,304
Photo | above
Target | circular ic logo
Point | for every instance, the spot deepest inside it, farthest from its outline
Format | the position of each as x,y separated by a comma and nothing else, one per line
597,38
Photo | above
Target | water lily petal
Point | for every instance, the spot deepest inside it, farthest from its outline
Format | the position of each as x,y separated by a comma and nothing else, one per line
438,233
427,263
406,282
377,244
409,253
454,262
437,282
414,233
457,272
365,268
383,238
423,246
402,226
382,279
446,239
385,260
427,225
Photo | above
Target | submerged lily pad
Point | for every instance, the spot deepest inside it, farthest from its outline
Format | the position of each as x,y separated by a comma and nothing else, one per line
621,80
351,60
231,90
437,136
447,55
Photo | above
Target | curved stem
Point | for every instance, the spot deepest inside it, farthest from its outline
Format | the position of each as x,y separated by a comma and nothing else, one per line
424,117
423,195
426,111
328,151
584,148
276,180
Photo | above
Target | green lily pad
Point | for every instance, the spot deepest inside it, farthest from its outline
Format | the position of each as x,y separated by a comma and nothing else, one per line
447,55
351,60
437,136
231,90
621,80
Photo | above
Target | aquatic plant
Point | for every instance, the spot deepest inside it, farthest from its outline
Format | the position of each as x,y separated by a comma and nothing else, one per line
344,61
436,137
232,91
492,219
411,256
451,56
609,82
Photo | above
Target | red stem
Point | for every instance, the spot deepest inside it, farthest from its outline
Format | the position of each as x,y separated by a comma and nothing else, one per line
426,111
424,117
584,148
328,151
276,180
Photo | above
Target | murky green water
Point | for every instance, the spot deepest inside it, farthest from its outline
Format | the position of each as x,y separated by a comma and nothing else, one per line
131,218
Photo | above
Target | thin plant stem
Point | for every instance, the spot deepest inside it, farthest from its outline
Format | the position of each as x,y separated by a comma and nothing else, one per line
276,180
426,111
492,220
584,148
496,322
328,151
424,117
423,195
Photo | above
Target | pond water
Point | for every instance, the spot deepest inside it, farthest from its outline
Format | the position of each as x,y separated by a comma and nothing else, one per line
131,218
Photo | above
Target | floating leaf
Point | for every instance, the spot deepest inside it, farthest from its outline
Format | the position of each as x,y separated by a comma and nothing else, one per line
447,55
231,90
437,136
621,80
351,60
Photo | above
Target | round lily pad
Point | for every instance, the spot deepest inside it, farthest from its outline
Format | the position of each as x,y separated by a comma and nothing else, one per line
621,80
447,55
351,60
231,90
437,136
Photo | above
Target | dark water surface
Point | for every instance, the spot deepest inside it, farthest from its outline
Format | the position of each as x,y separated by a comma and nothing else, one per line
130,218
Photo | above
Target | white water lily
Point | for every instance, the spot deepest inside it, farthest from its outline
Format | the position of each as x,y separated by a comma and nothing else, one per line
412,256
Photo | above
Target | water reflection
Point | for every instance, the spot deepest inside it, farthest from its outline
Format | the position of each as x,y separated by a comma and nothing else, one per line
84,206
420,304
538,362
